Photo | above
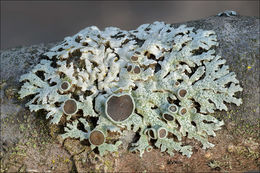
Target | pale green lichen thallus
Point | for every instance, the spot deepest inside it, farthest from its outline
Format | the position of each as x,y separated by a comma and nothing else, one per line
158,81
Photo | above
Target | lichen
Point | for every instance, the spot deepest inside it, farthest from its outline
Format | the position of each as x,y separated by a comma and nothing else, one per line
158,81
227,13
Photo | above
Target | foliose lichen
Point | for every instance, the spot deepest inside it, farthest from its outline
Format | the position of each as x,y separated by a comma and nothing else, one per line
227,13
158,81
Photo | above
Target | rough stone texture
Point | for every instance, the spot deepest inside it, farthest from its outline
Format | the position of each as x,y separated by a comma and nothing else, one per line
23,134
15,62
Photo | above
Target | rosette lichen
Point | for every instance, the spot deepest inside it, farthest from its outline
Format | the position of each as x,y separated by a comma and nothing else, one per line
159,81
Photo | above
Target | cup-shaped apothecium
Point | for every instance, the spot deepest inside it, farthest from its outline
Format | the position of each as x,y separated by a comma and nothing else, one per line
119,108
129,68
183,111
152,133
176,83
65,86
149,148
182,92
134,58
162,132
70,107
173,108
96,137
168,117
137,70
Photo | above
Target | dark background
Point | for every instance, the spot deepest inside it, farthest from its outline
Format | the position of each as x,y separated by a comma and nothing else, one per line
30,22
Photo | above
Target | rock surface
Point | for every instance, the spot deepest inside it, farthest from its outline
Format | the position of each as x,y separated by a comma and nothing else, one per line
29,143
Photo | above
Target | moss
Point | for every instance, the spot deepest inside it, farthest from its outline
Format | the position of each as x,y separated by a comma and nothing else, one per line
11,92
74,147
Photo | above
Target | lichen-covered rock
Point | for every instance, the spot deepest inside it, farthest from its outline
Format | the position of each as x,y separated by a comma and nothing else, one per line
158,81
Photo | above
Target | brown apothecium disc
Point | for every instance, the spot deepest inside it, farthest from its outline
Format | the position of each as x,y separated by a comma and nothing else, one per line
97,137
70,107
182,92
183,111
65,85
119,108
137,70
134,58
168,117
162,133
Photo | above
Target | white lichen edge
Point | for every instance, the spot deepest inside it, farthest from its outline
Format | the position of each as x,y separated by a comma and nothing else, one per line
227,13
95,64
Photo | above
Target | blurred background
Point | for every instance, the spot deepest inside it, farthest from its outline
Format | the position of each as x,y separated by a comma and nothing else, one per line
33,22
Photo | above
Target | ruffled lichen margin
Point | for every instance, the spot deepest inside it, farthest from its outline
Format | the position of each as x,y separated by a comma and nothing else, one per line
172,75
